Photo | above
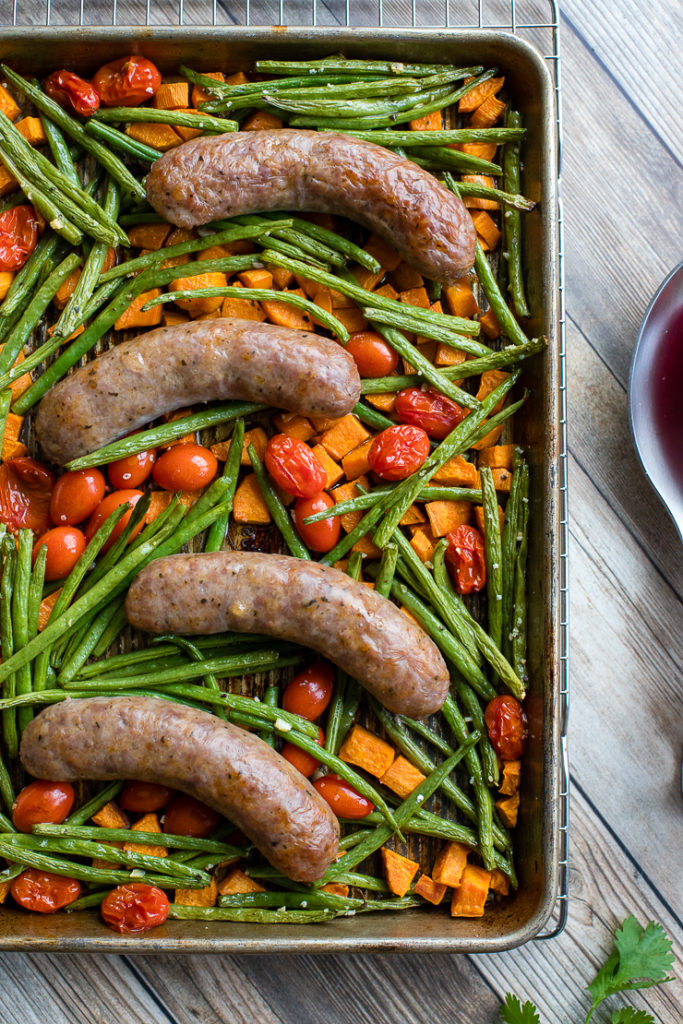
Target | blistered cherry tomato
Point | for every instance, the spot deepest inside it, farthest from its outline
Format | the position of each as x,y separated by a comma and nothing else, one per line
507,726
72,92
65,545
466,559
294,467
345,801
436,414
134,907
320,536
126,82
76,496
43,892
185,467
105,509
398,451
19,230
372,355
310,691
25,491
133,470
301,759
42,802
144,797
189,817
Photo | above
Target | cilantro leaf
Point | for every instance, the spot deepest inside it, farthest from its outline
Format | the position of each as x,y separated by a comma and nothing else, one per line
628,1015
641,959
512,1012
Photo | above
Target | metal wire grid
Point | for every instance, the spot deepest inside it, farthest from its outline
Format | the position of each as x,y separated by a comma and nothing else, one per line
537,21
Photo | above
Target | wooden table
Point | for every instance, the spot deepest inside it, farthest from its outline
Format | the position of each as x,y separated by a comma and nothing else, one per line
622,104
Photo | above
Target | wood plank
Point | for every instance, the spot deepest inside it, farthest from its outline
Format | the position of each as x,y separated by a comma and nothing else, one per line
605,888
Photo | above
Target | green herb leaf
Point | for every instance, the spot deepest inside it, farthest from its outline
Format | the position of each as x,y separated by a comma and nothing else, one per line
629,1015
512,1012
642,958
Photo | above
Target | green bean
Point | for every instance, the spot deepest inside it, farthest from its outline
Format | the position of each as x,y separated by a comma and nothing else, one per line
352,109
77,657
216,535
428,824
453,159
204,122
371,417
26,278
59,149
336,718
334,241
74,830
307,245
445,137
276,508
156,655
249,915
363,881
110,136
412,354
85,812
489,758
326,65
456,722
271,697
33,599
40,199
494,558
513,221
130,186
93,899
428,734
519,638
9,567
288,900
363,501
6,790
408,319
509,551
387,568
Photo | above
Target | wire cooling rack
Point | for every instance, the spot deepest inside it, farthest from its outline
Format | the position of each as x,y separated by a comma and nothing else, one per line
535,21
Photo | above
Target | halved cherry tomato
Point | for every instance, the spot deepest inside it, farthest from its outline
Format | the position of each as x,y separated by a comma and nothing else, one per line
185,467
144,797
43,891
372,355
105,509
127,82
19,230
189,817
65,545
321,536
72,92
25,491
310,691
301,759
133,470
294,467
345,801
134,907
398,451
435,413
40,802
466,559
507,726
76,496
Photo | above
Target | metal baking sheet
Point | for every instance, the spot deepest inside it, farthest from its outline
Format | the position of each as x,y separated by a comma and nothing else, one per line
35,51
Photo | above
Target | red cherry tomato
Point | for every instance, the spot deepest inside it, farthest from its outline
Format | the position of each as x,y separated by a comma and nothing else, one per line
134,907
72,92
189,817
466,559
25,490
41,802
43,892
105,509
398,451
144,797
65,545
76,496
310,691
321,536
133,470
185,467
507,727
372,355
294,467
436,414
300,759
126,82
345,801
19,230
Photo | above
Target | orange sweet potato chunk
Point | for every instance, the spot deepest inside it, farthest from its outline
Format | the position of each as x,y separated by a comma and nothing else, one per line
510,778
450,864
399,871
430,890
362,748
470,896
402,777
236,881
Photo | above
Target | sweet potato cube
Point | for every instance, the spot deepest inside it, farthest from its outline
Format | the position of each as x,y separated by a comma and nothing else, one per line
32,130
426,123
447,356
406,277
259,278
198,897
352,319
488,322
402,777
260,121
460,299
490,380
148,823
111,816
294,425
248,504
500,883
388,291
45,610
362,748
134,317
8,106
285,315
12,448
346,434
367,279
242,309
491,438
475,97
399,871
450,864
412,515
356,462
430,890
479,521
6,278
4,890
457,472
478,202
236,882
423,543
415,297
384,253
502,479
149,236
510,778
172,96
444,516
470,896
158,136
256,436
332,468
350,490
486,150
486,228
200,305
508,808
487,113
8,183
335,888
366,547
199,94
499,456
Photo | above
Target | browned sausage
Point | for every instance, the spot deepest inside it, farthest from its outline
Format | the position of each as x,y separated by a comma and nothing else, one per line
195,362
229,175
347,622
226,767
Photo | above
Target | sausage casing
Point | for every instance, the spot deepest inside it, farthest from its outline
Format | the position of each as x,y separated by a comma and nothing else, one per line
297,600
226,767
